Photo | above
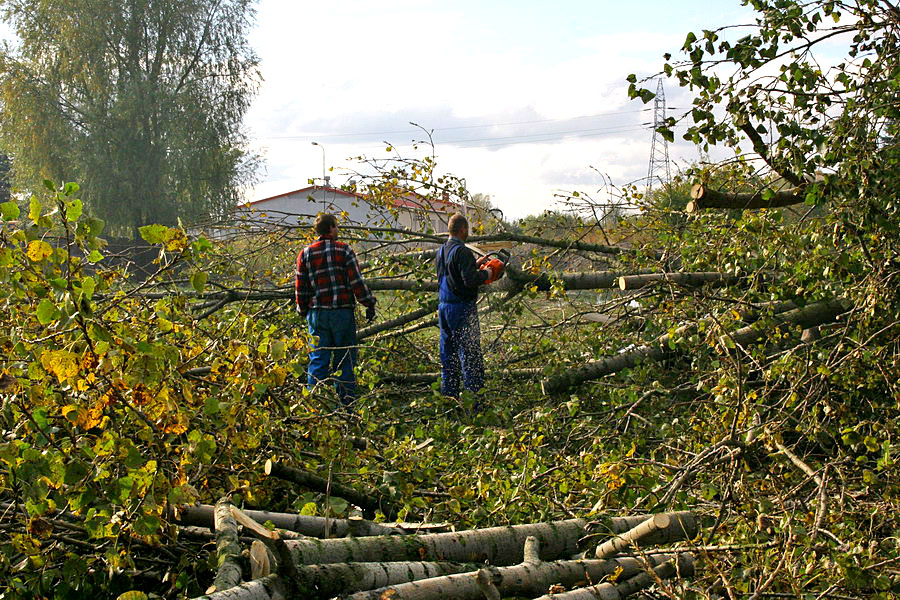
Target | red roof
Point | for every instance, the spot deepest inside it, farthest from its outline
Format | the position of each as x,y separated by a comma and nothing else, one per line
306,189
413,201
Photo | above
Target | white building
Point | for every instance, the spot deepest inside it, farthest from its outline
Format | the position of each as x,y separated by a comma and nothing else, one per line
300,207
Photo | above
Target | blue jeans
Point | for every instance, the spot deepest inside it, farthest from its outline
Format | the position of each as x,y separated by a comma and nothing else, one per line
335,352
461,357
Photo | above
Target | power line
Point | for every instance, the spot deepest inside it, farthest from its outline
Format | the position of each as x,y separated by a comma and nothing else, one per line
305,136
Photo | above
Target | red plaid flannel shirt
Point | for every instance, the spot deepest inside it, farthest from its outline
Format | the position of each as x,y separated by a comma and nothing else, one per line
328,276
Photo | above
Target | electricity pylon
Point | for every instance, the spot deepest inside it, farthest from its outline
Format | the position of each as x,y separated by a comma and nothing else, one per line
659,148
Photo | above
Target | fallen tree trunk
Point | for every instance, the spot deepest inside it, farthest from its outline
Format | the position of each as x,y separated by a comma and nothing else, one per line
812,315
808,316
704,197
662,528
228,548
682,565
538,241
369,502
318,527
409,317
525,580
427,378
499,545
515,279
635,282
321,582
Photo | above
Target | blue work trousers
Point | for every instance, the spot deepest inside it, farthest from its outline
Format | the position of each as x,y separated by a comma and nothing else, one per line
461,359
335,351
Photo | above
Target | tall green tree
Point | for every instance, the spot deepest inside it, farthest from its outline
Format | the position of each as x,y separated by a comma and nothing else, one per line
141,101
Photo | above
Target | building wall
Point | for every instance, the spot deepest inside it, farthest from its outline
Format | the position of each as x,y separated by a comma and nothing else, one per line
301,208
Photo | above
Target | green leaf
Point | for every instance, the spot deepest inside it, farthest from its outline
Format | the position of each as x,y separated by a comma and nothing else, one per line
10,211
198,281
73,210
337,505
95,256
147,525
49,185
88,285
75,472
47,312
34,209
154,234
71,188
93,226
690,39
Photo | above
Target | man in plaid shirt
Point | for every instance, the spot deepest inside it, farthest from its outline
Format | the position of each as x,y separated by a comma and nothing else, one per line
327,283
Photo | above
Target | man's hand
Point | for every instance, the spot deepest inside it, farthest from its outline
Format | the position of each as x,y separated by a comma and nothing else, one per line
481,261
370,313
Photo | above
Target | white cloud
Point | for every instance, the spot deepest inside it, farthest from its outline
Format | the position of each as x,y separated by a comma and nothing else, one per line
509,110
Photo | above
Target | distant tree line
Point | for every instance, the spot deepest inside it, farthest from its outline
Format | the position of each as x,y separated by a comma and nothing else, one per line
141,102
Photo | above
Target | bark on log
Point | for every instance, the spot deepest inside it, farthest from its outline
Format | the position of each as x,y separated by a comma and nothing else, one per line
228,549
682,566
661,528
635,282
321,582
523,580
703,197
808,316
409,317
499,545
202,516
538,241
370,502
267,588
811,315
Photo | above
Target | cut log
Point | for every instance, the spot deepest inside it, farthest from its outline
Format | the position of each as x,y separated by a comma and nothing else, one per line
635,282
261,560
659,529
499,545
369,502
273,542
682,565
807,316
524,580
704,197
228,548
319,527
321,582
266,588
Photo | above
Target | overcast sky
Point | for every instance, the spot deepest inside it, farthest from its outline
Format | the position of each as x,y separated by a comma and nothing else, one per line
524,98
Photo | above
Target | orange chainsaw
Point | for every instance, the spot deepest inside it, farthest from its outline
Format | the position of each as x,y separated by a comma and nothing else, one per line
495,264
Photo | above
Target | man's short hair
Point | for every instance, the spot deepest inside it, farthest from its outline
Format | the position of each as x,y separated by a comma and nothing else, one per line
457,224
324,223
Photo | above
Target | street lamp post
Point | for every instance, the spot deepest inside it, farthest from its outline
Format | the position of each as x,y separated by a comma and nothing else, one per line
324,177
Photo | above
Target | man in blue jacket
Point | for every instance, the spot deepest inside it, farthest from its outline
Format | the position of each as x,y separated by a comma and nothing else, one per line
459,278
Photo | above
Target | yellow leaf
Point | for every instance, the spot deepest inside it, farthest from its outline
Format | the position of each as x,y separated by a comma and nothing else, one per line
38,250
61,363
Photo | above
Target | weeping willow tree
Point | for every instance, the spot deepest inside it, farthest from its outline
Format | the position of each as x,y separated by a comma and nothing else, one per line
141,101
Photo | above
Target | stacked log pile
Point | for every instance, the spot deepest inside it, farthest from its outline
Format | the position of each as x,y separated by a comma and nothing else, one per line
537,560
